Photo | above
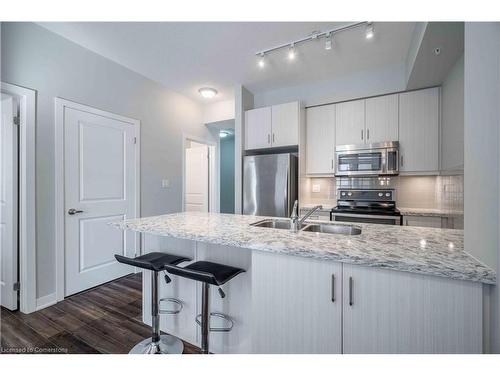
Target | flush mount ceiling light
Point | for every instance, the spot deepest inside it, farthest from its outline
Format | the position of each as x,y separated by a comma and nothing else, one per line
224,133
370,32
328,35
207,92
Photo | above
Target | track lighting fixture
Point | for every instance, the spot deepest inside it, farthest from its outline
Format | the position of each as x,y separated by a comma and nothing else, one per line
328,41
328,35
261,61
369,31
291,52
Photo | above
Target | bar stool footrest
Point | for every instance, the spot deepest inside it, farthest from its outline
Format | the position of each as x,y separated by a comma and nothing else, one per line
174,301
220,316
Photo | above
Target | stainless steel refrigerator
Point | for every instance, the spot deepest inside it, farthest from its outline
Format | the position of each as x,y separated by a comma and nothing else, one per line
270,184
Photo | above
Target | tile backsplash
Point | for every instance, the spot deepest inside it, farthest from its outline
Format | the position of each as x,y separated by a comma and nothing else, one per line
426,192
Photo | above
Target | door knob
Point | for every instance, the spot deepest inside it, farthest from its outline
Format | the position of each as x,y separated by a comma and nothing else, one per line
72,211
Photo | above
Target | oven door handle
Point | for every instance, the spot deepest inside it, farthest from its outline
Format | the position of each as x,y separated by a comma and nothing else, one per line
361,216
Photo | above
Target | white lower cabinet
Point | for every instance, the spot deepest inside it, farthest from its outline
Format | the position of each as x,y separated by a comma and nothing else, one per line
373,311
387,311
296,304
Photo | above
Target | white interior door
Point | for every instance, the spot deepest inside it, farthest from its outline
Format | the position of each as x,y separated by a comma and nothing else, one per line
8,204
197,183
100,185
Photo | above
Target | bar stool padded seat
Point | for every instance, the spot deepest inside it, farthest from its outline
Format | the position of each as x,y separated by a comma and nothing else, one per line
155,261
206,272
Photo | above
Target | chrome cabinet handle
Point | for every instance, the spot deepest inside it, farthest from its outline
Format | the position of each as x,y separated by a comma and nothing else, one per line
361,133
333,288
367,133
269,138
351,300
72,211
332,163
273,138
402,161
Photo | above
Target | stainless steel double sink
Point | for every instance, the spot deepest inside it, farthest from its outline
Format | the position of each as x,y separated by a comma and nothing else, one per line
349,230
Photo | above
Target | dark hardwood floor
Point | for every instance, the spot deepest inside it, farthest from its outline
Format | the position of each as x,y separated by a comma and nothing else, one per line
105,319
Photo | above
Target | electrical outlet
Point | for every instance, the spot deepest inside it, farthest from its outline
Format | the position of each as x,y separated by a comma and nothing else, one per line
165,183
316,188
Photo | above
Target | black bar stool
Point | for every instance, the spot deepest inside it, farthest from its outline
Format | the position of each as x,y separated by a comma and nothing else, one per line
209,274
156,262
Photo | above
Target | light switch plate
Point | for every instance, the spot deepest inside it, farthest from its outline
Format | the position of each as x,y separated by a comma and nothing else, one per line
316,188
165,183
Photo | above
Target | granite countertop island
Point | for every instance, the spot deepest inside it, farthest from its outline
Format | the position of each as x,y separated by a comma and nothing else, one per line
430,251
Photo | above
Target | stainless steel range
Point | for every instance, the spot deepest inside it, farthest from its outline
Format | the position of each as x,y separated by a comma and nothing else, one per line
375,206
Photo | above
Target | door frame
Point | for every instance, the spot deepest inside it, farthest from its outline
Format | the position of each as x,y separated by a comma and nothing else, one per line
213,173
27,194
60,106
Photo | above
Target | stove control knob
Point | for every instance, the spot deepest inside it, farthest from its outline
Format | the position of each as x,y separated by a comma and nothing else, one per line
380,194
343,193
349,194
387,195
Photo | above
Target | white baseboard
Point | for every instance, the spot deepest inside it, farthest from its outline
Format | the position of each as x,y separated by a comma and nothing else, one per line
46,301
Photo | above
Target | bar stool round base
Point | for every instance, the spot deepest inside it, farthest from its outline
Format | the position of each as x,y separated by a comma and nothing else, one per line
167,345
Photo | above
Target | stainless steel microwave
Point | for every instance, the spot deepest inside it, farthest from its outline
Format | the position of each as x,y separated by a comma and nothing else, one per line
376,159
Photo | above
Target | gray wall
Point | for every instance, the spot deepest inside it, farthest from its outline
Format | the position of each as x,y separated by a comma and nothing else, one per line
227,175
481,157
38,59
358,85
452,126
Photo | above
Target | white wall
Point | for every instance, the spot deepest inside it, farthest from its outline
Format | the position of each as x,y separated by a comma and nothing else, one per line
452,125
481,157
218,111
244,100
35,58
368,83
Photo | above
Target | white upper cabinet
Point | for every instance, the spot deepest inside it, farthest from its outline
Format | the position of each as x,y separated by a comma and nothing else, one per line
285,124
419,131
382,119
320,140
258,128
350,123
275,126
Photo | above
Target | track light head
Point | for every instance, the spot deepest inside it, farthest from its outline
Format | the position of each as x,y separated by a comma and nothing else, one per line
261,62
328,41
291,52
370,32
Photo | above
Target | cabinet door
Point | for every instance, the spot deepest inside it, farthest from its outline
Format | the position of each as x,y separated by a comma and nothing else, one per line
419,130
350,123
296,304
423,221
285,120
258,128
389,311
320,140
382,119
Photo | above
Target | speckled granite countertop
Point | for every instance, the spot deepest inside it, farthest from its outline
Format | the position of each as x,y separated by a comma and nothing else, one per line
405,211
430,251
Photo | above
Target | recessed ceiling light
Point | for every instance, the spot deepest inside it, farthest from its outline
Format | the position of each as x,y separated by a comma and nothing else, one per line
207,92
291,52
369,31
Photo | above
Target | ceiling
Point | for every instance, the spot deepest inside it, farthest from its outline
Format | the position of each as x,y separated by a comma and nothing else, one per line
185,56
